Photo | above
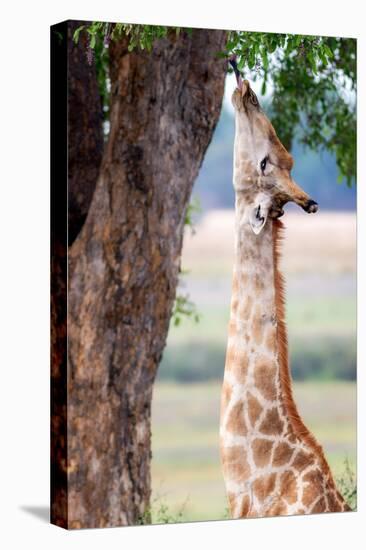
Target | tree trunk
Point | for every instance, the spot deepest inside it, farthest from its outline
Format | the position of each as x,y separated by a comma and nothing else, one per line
124,266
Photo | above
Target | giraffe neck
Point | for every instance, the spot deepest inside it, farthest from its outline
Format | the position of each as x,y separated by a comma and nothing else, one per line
253,347
257,358
272,464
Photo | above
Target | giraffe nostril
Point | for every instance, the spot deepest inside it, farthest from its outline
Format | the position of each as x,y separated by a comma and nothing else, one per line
311,206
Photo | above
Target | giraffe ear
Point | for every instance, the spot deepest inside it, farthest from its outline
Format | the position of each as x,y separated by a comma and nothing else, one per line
258,217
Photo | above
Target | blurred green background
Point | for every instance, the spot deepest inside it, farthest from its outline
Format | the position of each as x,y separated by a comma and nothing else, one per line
319,262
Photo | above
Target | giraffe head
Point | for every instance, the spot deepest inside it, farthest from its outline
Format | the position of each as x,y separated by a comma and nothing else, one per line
262,170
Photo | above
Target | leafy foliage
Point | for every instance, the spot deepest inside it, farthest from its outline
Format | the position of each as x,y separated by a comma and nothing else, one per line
347,485
313,81
183,306
158,512
140,36
194,207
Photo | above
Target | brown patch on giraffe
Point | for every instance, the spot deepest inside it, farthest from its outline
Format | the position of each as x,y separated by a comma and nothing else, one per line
235,464
291,437
266,264
226,395
282,454
261,451
230,354
264,486
246,308
258,284
320,506
278,509
314,477
234,305
235,284
236,421
272,424
302,460
313,488
239,366
309,495
257,326
288,487
233,453
333,504
232,328
231,497
244,507
270,338
254,408
343,505
265,377
244,279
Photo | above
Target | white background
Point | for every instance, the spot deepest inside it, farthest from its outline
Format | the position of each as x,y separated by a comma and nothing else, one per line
24,261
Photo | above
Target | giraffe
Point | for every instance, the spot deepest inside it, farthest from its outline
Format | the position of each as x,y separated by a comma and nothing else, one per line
272,464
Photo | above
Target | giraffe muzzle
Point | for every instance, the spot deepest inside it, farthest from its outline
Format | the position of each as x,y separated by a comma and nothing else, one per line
311,206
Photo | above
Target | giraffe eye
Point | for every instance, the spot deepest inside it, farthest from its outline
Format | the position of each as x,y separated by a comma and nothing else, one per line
264,164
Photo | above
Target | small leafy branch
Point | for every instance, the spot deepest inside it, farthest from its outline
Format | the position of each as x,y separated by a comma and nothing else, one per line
140,36
158,512
193,208
183,306
255,51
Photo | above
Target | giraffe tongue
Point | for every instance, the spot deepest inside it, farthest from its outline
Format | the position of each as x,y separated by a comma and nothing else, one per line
239,80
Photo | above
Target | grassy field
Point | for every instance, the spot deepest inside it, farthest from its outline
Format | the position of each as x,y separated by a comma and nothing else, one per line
186,473
319,262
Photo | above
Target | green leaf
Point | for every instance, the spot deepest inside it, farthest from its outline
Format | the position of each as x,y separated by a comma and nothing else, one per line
76,34
92,41
241,63
311,59
328,51
251,59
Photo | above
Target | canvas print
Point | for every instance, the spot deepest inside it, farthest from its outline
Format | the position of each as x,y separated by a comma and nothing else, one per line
203,292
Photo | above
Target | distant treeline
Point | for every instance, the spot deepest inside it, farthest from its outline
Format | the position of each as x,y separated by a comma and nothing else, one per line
316,172
325,358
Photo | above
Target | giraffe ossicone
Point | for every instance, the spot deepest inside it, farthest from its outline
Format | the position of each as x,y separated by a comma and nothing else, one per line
272,464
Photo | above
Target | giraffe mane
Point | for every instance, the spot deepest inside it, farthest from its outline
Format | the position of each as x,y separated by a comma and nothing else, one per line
285,375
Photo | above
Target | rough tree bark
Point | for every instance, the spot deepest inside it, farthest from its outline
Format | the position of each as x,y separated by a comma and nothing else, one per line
124,265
